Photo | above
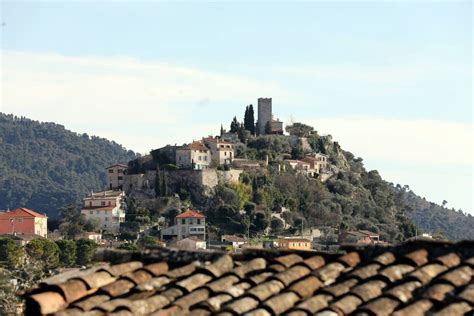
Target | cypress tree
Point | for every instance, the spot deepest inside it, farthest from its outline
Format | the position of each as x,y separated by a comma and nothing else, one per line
234,126
251,118
158,182
246,117
164,185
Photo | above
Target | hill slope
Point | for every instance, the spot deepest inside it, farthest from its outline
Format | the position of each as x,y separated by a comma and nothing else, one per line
43,166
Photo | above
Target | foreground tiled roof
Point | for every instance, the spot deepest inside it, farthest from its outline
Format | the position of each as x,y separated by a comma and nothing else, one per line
416,278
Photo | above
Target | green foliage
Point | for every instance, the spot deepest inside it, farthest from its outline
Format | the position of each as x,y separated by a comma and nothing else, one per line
44,252
268,128
71,222
85,250
44,166
243,191
67,252
11,253
234,125
147,242
300,130
249,119
128,246
297,152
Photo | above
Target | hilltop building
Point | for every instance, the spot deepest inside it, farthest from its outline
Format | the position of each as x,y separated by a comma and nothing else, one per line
222,152
187,224
115,176
265,116
317,162
23,221
106,206
195,156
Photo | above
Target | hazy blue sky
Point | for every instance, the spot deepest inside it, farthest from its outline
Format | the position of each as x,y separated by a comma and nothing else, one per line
391,81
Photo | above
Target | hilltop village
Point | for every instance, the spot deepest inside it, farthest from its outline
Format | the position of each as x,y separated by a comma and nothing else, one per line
165,181
258,184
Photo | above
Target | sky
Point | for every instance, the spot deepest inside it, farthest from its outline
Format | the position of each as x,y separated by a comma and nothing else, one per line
390,80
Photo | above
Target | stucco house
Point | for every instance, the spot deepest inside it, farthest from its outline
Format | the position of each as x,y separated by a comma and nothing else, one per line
194,155
23,221
189,223
222,152
115,176
106,206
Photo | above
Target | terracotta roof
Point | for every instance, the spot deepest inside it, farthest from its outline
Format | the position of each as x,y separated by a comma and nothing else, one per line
416,278
22,212
233,238
195,146
117,165
190,214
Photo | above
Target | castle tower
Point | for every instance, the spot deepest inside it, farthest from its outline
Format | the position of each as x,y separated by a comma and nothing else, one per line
264,114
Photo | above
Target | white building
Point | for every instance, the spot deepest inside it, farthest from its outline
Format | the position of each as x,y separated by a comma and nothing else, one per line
189,223
107,207
195,156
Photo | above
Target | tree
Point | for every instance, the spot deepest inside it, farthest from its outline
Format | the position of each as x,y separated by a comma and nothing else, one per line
11,254
244,192
297,152
268,128
276,225
261,221
158,184
234,126
44,252
249,119
85,251
147,242
92,225
70,224
67,253
299,129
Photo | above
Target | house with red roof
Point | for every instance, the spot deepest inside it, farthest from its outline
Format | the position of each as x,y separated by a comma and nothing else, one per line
23,221
187,224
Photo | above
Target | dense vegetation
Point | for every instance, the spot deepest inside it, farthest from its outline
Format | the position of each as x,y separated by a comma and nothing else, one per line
43,166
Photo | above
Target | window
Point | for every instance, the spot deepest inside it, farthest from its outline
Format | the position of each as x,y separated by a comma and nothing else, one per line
102,203
179,158
106,219
120,177
205,158
97,212
91,212
110,203
120,171
225,153
111,170
90,204
183,221
200,158
199,221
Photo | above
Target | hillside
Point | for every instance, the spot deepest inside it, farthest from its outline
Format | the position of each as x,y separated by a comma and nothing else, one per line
43,166
352,198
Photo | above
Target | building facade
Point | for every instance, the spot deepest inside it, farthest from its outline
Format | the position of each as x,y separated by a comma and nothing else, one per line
222,152
191,243
115,176
265,116
107,207
293,244
187,224
195,156
23,221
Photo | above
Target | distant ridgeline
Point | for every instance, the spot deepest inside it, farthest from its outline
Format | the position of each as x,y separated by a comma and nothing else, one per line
279,188
45,167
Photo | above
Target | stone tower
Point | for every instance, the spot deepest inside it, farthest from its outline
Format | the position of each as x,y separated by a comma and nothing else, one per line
264,114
